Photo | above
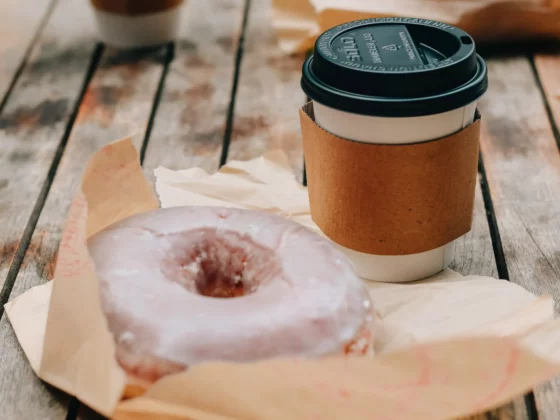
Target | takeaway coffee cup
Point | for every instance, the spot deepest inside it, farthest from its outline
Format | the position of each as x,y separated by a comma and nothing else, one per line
137,23
400,85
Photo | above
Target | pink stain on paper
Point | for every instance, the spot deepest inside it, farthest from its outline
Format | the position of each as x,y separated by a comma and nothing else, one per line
424,376
404,393
71,258
108,150
509,371
332,391
408,391
343,392
117,172
405,396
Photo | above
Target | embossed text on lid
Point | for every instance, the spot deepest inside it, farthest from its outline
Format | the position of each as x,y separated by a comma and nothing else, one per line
373,65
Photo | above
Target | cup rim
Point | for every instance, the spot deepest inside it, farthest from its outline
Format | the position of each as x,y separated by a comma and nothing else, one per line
452,78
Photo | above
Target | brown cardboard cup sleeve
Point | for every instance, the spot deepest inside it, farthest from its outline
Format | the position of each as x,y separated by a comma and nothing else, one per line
390,199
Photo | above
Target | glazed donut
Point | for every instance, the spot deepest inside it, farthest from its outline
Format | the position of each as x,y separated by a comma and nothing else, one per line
185,285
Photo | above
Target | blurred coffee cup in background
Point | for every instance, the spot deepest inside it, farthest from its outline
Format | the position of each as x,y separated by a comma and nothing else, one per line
137,23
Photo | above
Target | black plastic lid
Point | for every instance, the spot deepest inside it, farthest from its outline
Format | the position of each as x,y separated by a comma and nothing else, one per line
395,67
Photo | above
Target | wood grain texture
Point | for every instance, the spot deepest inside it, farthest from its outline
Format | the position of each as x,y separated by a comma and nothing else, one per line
269,96
189,129
117,103
20,22
548,69
474,254
523,170
31,127
190,122
35,118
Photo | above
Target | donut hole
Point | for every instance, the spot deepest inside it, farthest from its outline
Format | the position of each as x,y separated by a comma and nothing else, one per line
219,278
219,284
222,264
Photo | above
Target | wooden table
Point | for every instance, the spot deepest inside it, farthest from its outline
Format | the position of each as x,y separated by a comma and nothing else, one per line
225,91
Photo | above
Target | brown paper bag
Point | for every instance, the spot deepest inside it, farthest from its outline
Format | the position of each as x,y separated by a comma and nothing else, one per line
440,344
299,22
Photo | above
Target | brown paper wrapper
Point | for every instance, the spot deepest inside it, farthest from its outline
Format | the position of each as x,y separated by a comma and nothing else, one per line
135,7
299,22
390,199
79,352
425,327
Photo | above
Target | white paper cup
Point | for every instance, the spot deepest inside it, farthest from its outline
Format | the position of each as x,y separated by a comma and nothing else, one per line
395,81
136,31
386,130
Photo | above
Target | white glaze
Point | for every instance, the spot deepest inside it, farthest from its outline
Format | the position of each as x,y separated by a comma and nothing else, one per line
314,305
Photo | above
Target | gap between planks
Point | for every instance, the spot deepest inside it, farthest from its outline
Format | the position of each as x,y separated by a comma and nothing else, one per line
243,153
546,70
546,80
268,95
37,34
501,265
33,125
93,101
36,212
227,137
235,83
42,197
190,124
499,256
169,55
76,409
501,147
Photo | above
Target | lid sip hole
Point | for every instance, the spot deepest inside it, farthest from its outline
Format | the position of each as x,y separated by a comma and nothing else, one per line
467,40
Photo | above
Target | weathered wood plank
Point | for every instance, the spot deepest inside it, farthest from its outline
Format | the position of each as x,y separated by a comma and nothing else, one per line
268,96
548,69
21,22
523,170
117,103
35,118
190,122
474,254
32,125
